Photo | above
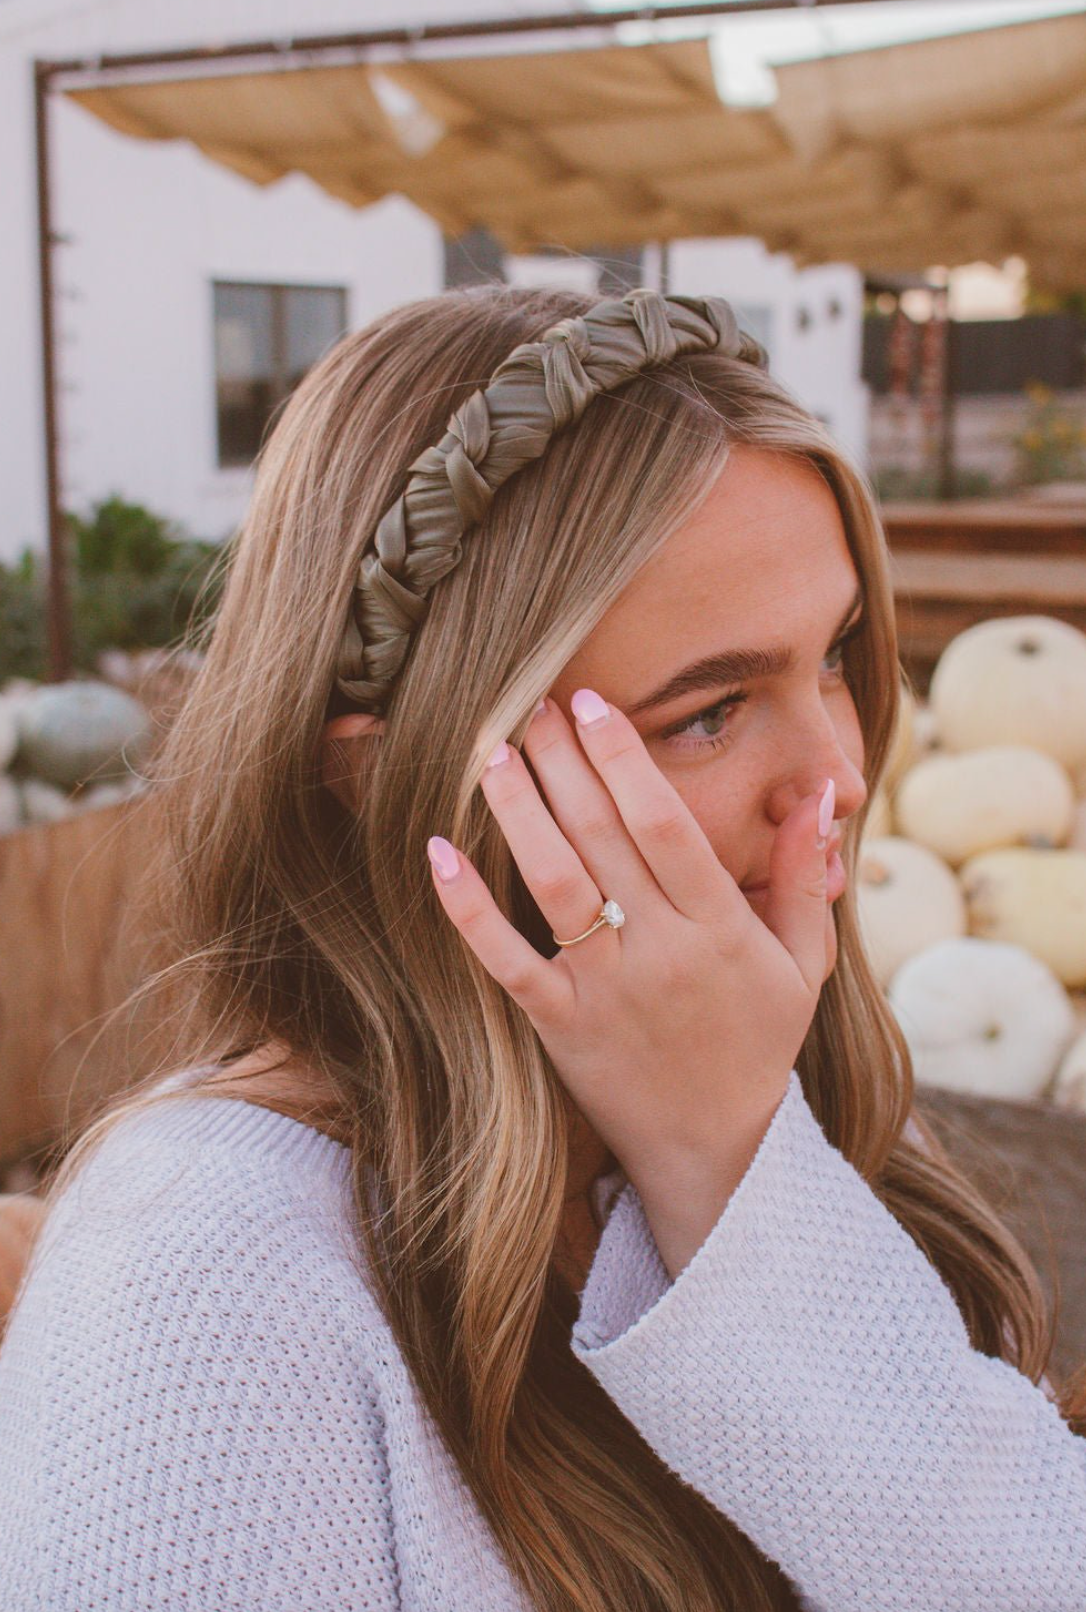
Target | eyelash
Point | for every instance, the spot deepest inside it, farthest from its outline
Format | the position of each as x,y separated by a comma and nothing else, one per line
730,700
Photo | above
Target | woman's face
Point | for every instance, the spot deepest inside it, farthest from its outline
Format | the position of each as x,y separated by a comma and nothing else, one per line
763,565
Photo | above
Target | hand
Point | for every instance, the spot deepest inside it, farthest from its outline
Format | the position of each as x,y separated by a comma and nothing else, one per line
675,1034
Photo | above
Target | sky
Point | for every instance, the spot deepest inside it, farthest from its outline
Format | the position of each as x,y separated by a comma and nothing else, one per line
796,35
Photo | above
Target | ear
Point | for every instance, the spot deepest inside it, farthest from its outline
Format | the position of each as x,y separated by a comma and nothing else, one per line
342,755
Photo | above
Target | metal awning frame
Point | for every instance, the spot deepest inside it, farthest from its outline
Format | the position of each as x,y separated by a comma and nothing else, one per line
273,55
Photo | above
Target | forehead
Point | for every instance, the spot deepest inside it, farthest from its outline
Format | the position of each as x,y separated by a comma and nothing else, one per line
765,558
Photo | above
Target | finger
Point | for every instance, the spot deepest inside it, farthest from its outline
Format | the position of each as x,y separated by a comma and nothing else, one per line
662,826
795,908
532,981
584,809
560,884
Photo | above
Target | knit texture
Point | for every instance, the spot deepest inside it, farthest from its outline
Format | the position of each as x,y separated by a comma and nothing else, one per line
202,1407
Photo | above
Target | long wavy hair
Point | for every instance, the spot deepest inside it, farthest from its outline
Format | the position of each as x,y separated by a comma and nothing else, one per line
281,915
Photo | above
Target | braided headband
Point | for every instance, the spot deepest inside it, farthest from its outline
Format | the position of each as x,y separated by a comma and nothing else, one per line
542,387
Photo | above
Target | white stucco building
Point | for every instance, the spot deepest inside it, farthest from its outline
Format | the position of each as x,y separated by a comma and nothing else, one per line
185,293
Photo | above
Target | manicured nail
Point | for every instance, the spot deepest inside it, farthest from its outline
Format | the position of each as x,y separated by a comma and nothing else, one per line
542,706
589,709
444,857
498,755
825,813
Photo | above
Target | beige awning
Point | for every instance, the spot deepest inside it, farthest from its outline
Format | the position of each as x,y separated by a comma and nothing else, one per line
945,151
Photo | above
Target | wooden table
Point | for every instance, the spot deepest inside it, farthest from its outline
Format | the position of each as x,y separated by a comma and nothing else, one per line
954,565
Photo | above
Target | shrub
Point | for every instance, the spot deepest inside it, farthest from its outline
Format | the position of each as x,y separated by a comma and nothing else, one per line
1051,446
136,580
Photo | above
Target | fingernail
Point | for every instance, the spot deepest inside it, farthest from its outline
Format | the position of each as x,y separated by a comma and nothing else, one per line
444,857
825,813
542,706
498,755
589,709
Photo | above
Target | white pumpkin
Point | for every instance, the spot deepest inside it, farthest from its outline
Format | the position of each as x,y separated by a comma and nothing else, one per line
982,1017
1069,1085
12,695
925,733
906,899
44,803
1005,794
1032,898
1014,680
99,795
81,730
1077,838
11,805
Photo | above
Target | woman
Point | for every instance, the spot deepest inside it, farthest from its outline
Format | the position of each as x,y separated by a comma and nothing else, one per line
566,1248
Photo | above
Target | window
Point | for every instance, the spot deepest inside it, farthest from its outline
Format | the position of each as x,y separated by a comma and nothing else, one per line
266,337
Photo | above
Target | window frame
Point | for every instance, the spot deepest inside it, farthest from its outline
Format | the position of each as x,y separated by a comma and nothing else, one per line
280,390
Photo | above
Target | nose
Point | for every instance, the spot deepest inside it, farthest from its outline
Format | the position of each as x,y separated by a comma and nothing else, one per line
851,790
834,750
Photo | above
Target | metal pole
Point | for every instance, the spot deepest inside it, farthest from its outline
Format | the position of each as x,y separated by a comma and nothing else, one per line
311,44
58,606
948,488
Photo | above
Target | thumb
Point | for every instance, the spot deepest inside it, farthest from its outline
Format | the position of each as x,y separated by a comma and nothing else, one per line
795,907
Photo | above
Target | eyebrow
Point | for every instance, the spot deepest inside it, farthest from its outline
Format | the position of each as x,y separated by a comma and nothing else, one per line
732,666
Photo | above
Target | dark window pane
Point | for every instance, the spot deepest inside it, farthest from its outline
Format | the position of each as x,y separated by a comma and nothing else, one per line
243,332
266,338
244,368
313,318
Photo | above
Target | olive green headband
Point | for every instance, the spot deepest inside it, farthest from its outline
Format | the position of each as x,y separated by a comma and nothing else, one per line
542,387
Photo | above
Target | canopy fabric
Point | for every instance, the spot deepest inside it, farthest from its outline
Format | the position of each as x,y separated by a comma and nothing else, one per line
946,150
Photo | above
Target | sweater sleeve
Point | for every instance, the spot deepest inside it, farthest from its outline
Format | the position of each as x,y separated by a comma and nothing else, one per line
187,1410
810,1374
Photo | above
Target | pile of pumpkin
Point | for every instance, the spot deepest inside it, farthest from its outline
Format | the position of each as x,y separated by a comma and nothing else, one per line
971,874
67,748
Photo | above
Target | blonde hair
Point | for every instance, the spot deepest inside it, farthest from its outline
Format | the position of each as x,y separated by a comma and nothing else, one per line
286,917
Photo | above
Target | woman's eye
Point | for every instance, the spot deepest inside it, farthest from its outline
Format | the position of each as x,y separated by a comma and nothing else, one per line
714,717
684,736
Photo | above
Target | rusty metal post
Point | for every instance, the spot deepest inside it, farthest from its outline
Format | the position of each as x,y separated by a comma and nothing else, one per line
59,613
948,480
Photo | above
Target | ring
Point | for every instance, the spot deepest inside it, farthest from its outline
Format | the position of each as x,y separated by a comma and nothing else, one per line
610,913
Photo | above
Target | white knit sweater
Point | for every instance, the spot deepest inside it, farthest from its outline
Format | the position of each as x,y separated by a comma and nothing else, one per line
202,1407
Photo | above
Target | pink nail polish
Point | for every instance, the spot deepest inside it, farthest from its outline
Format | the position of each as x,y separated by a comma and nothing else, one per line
825,812
589,708
444,857
499,754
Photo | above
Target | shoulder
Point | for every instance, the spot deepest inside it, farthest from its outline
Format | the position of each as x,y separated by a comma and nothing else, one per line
197,1372
194,1202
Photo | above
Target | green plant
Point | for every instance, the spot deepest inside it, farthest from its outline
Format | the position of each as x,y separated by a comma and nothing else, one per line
1051,446
893,482
22,619
122,538
135,580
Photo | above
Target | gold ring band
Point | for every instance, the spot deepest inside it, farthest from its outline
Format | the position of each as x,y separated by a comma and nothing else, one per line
610,914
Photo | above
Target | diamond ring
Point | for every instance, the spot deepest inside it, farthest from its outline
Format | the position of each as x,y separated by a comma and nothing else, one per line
610,913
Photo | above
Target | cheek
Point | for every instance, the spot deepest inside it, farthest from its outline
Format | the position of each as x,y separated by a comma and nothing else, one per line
831,943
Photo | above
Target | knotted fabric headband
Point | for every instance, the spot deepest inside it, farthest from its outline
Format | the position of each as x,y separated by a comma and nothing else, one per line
542,387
